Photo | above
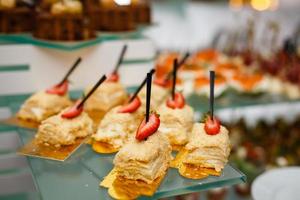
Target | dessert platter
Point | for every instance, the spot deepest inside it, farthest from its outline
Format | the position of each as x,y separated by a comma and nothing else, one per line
134,146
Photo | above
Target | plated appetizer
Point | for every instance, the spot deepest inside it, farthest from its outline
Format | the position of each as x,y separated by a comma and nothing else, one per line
208,150
65,127
119,124
110,94
51,101
60,135
141,164
176,117
249,83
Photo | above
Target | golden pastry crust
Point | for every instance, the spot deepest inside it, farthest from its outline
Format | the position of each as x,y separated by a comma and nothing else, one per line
144,160
42,105
107,96
115,127
176,123
208,151
158,96
59,131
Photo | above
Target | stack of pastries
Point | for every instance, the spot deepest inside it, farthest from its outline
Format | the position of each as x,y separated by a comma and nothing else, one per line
116,128
144,160
46,103
207,151
176,121
58,130
107,96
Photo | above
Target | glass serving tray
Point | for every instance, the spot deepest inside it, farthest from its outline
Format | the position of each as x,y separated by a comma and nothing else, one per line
79,176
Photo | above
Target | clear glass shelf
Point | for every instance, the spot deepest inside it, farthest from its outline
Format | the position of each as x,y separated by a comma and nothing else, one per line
27,38
80,175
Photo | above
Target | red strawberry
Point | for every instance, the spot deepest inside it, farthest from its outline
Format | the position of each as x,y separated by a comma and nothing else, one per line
73,112
59,89
212,126
161,82
177,102
131,107
148,128
114,77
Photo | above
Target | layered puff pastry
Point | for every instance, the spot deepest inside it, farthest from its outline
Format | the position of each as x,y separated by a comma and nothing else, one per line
144,160
42,105
176,123
207,151
58,131
107,96
158,96
116,127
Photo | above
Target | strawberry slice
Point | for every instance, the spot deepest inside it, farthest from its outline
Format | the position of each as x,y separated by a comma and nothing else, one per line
161,82
212,126
177,102
73,111
131,107
148,128
114,77
59,89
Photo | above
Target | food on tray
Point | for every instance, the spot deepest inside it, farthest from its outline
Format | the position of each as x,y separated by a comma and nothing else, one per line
42,105
146,157
176,121
159,94
110,94
210,146
65,127
117,126
107,96
141,164
176,116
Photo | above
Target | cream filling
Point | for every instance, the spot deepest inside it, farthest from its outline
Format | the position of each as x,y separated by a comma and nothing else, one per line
208,150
